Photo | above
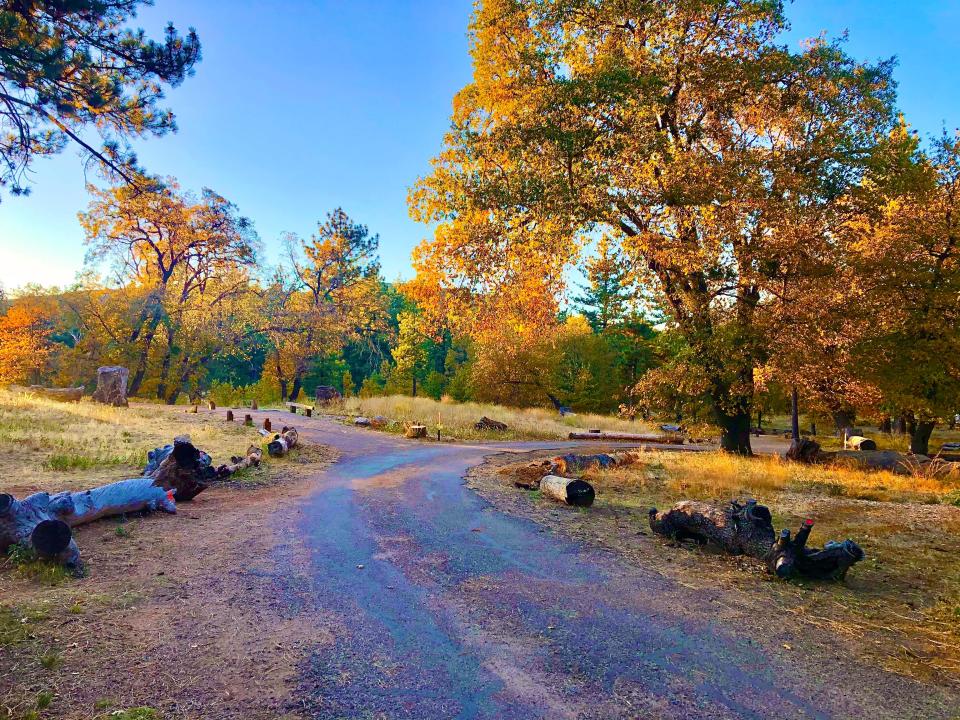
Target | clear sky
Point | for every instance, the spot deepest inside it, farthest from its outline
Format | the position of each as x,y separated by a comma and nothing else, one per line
300,106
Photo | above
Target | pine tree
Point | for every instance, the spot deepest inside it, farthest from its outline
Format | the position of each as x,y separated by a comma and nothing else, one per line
607,296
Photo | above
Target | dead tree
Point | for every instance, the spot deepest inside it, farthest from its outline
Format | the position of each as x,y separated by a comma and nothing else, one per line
282,443
791,557
745,529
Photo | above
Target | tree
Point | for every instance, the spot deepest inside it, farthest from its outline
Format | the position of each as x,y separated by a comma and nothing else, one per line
67,66
331,296
24,344
168,246
410,355
910,247
712,153
606,299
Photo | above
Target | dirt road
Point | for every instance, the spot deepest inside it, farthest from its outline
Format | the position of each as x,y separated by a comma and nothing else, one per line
449,608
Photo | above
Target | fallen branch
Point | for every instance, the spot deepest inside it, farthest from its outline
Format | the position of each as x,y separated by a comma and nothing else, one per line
251,459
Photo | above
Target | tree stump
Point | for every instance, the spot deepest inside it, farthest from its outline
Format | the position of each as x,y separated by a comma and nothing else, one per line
740,529
211,405
229,415
112,385
571,492
248,420
804,450
416,431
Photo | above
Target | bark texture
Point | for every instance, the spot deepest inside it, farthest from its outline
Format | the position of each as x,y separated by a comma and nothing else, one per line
791,557
740,529
571,492
112,385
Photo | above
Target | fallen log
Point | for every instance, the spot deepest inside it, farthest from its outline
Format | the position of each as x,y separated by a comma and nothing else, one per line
282,443
486,423
858,442
572,492
251,459
791,557
573,463
627,437
28,523
72,394
740,529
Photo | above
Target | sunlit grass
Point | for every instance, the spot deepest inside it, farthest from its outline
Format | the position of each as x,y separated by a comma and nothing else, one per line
457,419
49,445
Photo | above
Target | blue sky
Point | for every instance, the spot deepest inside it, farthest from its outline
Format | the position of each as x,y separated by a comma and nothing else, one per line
301,106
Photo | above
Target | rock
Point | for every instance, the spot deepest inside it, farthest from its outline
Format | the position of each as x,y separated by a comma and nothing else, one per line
112,385
362,421
379,422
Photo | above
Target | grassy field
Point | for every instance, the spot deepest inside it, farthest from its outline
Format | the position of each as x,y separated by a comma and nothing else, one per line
457,419
902,604
46,445
900,443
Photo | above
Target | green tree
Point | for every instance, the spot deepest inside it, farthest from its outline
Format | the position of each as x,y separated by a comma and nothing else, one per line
68,66
606,298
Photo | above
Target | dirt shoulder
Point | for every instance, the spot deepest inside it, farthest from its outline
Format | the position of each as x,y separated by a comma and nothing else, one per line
899,611
201,615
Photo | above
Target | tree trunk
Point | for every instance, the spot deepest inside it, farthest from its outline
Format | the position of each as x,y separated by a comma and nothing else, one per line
738,529
734,432
141,369
794,413
414,386
842,419
295,390
792,557
571,492
920,438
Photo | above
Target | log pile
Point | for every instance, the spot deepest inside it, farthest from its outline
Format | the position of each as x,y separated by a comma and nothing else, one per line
175,472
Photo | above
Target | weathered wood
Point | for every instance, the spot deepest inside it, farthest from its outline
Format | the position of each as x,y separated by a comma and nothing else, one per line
740,529
112,385
72,394
486,423
267,425
627,437
180,467
804,450
791,557
282,443
248,420
27,522
251,459
858,442
211,405
194,409
416,431
229,415
571,492
307,409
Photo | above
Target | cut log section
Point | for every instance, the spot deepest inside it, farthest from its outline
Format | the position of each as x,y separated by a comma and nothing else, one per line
28,523
416,431
572,492
282,443
791,557
740,529
627,437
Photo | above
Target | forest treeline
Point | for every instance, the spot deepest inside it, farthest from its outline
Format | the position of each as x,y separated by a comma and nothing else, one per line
651,208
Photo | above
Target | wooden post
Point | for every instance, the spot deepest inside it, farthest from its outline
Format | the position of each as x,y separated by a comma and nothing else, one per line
248,420
267,425
229,415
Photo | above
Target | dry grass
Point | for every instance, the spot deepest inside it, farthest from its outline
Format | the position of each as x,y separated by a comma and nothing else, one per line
55,446
457,419
908,589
